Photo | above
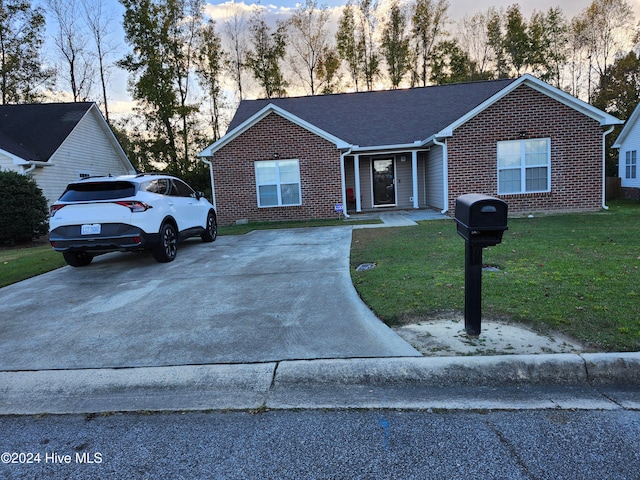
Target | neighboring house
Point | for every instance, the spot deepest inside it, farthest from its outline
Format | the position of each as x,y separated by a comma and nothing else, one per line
533,145
629,144
59,143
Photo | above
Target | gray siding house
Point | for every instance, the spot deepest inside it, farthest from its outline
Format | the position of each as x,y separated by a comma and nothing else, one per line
58,143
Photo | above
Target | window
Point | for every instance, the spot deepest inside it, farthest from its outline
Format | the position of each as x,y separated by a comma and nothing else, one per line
278,183
631,165
159,186
95,191
181,189
524,166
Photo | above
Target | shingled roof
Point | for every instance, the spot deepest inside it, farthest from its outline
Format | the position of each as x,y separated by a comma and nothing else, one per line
34,132
392,117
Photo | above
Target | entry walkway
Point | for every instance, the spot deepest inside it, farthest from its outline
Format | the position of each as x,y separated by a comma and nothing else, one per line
400,218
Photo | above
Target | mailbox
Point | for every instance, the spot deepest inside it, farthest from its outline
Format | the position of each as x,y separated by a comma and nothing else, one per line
481,219
481,222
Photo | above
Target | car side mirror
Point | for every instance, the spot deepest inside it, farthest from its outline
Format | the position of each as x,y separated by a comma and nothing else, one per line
199,195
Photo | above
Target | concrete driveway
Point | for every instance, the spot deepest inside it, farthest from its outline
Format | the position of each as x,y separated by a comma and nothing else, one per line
266,296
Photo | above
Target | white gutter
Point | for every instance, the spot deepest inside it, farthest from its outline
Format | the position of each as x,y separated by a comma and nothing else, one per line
213,190
343,182
33,165
388,149
445,173
604,173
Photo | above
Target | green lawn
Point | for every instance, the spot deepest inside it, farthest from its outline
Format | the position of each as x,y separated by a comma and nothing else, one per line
578,274
574,273
20,263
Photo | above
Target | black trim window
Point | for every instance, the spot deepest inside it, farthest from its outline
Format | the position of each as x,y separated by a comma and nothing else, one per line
524,166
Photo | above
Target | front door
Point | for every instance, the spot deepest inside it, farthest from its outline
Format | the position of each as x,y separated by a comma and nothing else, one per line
384,182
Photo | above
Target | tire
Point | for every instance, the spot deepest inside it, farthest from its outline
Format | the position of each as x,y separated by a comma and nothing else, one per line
77,259
168,247
211,231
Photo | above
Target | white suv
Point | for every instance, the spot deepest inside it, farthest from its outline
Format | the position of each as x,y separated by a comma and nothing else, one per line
132,212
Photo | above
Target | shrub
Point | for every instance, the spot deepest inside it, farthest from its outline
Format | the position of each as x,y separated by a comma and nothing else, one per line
24,212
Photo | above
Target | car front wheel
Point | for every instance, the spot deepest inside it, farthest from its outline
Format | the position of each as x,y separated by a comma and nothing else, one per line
211,232
168,247
77,259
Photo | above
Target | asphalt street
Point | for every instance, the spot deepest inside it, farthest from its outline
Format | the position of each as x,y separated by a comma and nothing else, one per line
374,444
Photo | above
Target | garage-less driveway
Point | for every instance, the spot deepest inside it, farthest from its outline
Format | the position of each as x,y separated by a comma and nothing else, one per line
265,296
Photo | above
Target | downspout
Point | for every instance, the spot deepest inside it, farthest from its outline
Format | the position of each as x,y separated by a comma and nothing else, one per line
445,173
213,190
604,174
343,182
29,170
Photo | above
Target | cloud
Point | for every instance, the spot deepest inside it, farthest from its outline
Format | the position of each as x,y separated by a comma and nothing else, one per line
222,12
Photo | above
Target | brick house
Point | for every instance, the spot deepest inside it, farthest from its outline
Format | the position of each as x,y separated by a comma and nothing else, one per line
533,145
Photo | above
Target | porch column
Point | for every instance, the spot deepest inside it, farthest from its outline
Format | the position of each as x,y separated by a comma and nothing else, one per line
356,167
414,175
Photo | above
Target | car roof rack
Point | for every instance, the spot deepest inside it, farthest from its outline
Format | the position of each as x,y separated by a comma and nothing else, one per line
150,173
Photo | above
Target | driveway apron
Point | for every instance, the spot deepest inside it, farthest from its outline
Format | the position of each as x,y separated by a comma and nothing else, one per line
269,295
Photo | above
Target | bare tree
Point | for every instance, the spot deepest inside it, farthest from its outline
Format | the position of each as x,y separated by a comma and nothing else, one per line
235,29
71,42
99,24
606,30
308,39
474,42
610,29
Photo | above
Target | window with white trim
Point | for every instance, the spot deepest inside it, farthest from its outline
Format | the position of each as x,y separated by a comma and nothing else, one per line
631,168
524,166
278,183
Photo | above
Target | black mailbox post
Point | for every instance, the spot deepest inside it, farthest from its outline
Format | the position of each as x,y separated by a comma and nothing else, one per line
481,222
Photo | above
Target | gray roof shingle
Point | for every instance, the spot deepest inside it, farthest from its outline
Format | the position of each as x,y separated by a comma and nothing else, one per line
378,118
34,132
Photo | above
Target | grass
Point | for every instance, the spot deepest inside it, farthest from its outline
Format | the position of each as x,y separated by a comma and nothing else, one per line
20,263
578,274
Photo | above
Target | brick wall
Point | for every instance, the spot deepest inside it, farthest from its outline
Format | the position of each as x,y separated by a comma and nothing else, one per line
234,174
576,153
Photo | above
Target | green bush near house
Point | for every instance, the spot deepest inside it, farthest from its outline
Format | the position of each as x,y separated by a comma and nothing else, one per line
23,209
578,274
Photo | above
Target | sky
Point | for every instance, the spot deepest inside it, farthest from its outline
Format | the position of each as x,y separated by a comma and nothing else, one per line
120,100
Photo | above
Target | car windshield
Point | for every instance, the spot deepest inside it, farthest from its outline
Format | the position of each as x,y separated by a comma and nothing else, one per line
89,191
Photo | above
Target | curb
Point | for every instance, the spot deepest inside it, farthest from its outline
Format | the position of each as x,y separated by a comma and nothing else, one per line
576,381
